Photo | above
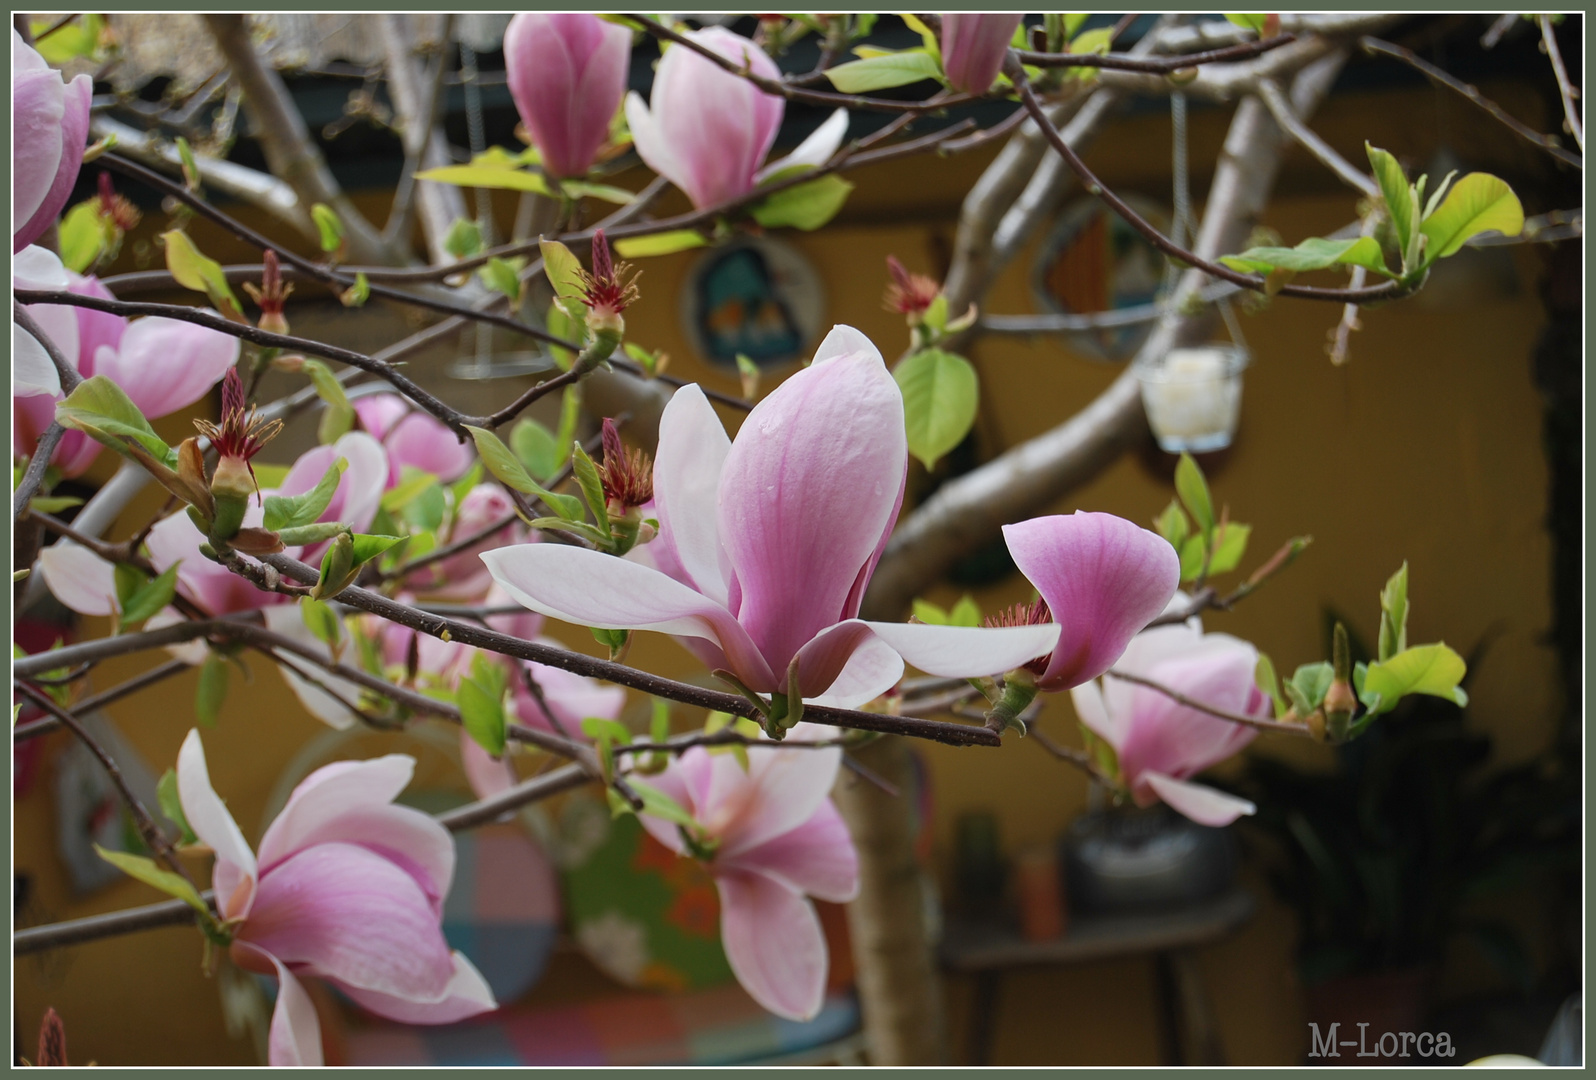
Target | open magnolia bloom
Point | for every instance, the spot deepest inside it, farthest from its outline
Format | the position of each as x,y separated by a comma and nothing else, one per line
346,887
707,130
771,837
766,544
1161,742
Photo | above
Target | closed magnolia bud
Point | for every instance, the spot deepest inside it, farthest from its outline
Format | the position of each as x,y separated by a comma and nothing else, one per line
974,47
567,75
338,568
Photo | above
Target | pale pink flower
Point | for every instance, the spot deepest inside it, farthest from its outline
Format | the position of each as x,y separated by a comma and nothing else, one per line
49,131
567,74
974,47
770,543
707,130
347,887
412,438
775,839
1160,742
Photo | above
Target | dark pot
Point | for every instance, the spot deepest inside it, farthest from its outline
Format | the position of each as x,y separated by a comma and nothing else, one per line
1130,859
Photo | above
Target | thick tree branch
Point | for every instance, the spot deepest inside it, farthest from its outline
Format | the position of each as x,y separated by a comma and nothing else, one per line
414,96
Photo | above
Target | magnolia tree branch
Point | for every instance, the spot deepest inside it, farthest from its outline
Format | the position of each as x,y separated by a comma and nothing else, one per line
291,152
1470,93
414,98
1568,91
969,511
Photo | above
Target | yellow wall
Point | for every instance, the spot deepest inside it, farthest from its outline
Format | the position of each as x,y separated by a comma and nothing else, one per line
1425,447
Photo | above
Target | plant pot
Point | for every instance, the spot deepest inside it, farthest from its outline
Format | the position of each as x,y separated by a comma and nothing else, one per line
1193,397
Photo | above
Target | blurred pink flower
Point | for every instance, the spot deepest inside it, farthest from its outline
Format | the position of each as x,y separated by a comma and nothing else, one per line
773,838
567,74
707,130
49,132
347,887
412,438
1161,743
974,47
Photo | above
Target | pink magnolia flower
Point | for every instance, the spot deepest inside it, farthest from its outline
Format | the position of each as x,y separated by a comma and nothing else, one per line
462,576
346,887
1110,575
1161,742
708,130
974,47
772,836
359,489
162,365
49,130
770,541
567,75
33,373
412,438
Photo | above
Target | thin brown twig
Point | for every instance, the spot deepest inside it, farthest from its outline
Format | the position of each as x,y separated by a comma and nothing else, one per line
1163,243
1174,695
1153,65
1565,87
1472,94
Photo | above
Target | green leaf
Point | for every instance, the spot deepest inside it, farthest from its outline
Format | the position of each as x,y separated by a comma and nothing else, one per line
1394,188
1314,253
536,448
940,399
1192,552
464,238
665,243
357,294
1435,670
211,694
482,714
1477,203
368,547
614,640
193,270
412,483
292,511
1267,681
77,39
339,416
1192,487
1394,614
883,72
927,37
1253,21
806,206
145,870
499,275
53,504
1308,686
1073,23
150,597
489,176
322,621
98,408
561,325
929,613
503,464
328,227
592,487
563,268
1173,525
658,804
128,579
965,613
311,534
1102,751
83,236
1229,548
172,806
578,189
597,728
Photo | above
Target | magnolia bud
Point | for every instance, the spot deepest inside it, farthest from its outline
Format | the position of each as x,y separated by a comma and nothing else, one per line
338,568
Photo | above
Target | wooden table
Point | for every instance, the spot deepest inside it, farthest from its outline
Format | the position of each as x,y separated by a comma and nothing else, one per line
988,948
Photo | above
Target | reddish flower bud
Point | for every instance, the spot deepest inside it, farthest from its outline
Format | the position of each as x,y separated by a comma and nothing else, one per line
240,436
909,294
52,1040
271,295
123,214
627,476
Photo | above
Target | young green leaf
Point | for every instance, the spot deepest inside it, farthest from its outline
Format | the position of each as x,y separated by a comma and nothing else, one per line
1253,21
1173,525
488,176
329,228
884,71
1230,547
1394,614
150,597
940,398
1477,203
500,276
83,236
1308,686
805,206
665,243
339,416
291,511
965,613
358,293
193,270
1264,675
1394,188
504,465
128,579
930,613
1314,253
364,547
1193,551
172,806
145,870
482,714
748,372
1435,670
323,622
583,189
1192,487
592,487
211,694
314,533
98,408
564,270
534,445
